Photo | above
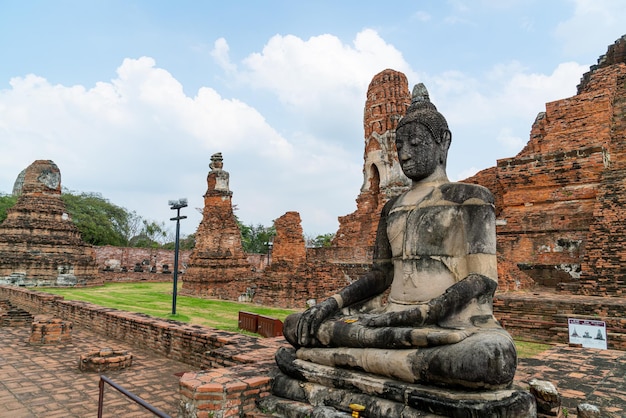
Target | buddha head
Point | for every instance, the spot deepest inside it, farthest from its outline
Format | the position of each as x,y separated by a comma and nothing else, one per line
422,137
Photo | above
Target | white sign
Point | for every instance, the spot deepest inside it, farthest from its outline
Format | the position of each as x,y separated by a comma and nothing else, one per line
588,332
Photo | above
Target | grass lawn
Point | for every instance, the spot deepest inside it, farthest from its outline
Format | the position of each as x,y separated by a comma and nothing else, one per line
156,299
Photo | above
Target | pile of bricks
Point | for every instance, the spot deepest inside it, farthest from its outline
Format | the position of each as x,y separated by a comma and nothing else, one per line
50,331
105,359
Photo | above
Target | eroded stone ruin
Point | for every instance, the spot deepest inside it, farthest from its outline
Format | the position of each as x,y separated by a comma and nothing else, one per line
39,244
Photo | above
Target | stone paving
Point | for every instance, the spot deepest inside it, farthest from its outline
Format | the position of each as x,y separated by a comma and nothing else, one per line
44,381
581,375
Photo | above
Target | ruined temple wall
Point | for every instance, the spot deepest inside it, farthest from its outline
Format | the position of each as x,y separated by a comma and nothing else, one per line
326,271
556,190
605,258
289,248
218,266
117,257
198,346
39,244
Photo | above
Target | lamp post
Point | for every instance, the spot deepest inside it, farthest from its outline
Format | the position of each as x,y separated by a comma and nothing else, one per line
176,205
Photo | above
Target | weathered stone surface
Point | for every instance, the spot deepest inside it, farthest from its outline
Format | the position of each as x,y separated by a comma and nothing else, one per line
39,244
585,410
547,397
435,254
391,398
218,266
388,98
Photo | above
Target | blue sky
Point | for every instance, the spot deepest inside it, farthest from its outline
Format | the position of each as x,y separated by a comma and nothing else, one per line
131,98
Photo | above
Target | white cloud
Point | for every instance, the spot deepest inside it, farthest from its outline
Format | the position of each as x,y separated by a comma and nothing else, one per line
220,54
594,24
134,137
464,174
512,142
491,117
322,70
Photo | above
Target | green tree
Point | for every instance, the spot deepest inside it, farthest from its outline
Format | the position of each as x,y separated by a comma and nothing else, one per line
319,241
186,242
6,202
256,239
99,221
152,235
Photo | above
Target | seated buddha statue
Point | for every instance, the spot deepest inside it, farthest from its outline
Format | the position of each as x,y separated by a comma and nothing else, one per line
423,312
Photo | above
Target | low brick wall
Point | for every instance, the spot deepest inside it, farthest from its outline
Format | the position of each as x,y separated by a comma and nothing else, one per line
542,317
198,346
235,368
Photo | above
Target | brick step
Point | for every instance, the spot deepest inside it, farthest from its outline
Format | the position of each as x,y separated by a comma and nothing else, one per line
10,316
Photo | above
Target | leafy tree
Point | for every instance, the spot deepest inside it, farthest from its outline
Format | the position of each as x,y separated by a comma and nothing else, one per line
99,221
185,243
6,202
319,241
152,235
256,239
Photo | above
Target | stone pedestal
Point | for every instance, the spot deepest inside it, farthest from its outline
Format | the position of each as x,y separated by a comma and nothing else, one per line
326,391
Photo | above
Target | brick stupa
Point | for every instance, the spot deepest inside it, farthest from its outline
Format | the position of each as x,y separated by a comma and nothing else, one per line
217,260
39,244
388,98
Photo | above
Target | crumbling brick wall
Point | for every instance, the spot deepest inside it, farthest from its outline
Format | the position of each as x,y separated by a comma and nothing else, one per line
560,202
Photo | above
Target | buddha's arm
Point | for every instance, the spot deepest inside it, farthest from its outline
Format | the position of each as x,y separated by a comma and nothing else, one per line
373,283
480,283
455,298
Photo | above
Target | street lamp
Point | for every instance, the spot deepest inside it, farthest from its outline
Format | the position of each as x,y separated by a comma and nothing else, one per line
176,205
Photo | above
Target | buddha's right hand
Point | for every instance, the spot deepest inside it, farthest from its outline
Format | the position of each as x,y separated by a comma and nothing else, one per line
312,318
412,317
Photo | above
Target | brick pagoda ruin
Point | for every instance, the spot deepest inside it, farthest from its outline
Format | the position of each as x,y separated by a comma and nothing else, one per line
560,202
39,244
217,260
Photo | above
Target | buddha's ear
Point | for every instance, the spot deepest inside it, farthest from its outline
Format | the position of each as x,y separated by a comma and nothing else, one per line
446,138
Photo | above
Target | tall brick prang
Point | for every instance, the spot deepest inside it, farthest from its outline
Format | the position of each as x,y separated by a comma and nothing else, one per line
217,266
388,98
39,244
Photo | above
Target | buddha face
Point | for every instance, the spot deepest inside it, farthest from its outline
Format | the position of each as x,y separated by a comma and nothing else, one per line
418,152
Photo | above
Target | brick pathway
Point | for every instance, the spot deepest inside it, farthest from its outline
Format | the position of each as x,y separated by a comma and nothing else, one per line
44,381
581,375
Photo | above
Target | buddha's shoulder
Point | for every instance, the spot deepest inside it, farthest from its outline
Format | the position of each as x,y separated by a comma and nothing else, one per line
461,193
